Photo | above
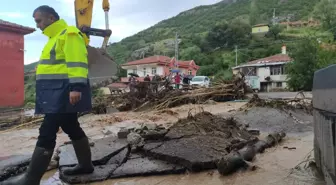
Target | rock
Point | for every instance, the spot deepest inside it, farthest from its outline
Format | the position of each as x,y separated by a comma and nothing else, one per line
154,134
134,138
196,153
13,165
123,132
144,166
149,127
102,151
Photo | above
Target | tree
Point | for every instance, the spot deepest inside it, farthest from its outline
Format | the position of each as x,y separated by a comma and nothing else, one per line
254,13
308,58
301,71
275,31
228,35
326,12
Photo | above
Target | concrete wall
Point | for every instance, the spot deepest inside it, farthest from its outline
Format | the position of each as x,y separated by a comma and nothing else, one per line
11,69
324,103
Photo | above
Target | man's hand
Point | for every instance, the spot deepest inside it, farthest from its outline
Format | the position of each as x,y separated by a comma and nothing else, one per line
75,97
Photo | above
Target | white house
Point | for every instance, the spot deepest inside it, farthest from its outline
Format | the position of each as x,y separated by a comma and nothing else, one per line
158,65
270,71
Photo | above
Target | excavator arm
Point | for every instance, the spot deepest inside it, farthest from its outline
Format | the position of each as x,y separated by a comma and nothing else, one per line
101,65
84,11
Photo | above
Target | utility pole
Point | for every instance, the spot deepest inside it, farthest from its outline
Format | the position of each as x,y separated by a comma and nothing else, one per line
273,19
236,50
176,50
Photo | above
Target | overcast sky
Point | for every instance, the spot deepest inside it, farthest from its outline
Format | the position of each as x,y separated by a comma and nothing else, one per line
127,17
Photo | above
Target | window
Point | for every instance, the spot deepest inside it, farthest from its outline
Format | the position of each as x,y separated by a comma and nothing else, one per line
277,70
135,71
189,72
279,84
144,72
153,70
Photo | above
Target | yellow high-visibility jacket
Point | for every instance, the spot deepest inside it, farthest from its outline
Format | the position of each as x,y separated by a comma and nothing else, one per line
63,67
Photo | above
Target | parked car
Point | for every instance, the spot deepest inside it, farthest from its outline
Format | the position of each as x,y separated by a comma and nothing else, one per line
203,81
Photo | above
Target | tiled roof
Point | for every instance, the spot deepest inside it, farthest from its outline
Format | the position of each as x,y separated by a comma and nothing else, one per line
16,26
163,60
149,60
271,59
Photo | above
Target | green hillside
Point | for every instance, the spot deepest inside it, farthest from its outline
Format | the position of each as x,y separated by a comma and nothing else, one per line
30,67
200,28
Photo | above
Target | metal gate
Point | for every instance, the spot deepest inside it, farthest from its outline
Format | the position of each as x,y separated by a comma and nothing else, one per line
324,102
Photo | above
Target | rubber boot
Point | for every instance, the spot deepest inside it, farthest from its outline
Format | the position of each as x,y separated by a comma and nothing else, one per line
37,167
83,153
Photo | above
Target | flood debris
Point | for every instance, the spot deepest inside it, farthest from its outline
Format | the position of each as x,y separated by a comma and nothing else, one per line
282,104
199,142
143,98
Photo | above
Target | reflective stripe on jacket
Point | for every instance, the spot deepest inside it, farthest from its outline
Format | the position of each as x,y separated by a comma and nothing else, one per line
64,56
63,67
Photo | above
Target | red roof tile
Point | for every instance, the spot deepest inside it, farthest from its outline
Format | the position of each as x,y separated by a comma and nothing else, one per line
17,27
149,60
272,59
162,60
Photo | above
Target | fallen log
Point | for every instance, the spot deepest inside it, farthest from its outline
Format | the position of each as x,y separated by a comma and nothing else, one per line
236,160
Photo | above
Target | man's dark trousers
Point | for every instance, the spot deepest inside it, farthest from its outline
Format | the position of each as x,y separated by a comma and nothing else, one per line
51,123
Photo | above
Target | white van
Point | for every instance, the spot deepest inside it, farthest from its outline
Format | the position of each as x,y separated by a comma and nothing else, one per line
203,81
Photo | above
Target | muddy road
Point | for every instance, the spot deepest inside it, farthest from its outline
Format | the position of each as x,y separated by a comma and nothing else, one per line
274,167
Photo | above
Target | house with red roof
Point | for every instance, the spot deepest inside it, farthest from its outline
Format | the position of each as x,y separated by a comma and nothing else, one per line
159,65
269,73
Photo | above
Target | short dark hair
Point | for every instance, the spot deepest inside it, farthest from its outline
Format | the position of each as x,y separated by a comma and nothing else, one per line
45,9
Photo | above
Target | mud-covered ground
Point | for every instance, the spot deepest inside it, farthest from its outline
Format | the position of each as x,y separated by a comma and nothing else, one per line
274,166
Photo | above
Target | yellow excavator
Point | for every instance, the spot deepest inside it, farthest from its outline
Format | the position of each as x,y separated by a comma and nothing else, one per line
101,65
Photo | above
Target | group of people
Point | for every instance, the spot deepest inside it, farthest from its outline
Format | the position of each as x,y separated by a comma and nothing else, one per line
153,84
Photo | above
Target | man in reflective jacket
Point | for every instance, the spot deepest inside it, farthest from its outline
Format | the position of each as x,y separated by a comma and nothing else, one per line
62,90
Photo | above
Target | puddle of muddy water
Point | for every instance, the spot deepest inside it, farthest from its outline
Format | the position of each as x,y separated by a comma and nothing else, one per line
274,168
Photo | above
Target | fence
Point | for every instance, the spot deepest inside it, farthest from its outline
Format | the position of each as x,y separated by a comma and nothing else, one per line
324,102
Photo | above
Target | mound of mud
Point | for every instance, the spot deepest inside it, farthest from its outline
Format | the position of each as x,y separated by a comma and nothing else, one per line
199,141
205,123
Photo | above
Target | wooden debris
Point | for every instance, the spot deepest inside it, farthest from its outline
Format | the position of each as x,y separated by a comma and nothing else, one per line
143,98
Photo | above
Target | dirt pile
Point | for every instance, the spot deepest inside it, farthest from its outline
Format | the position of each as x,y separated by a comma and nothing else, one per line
143,98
